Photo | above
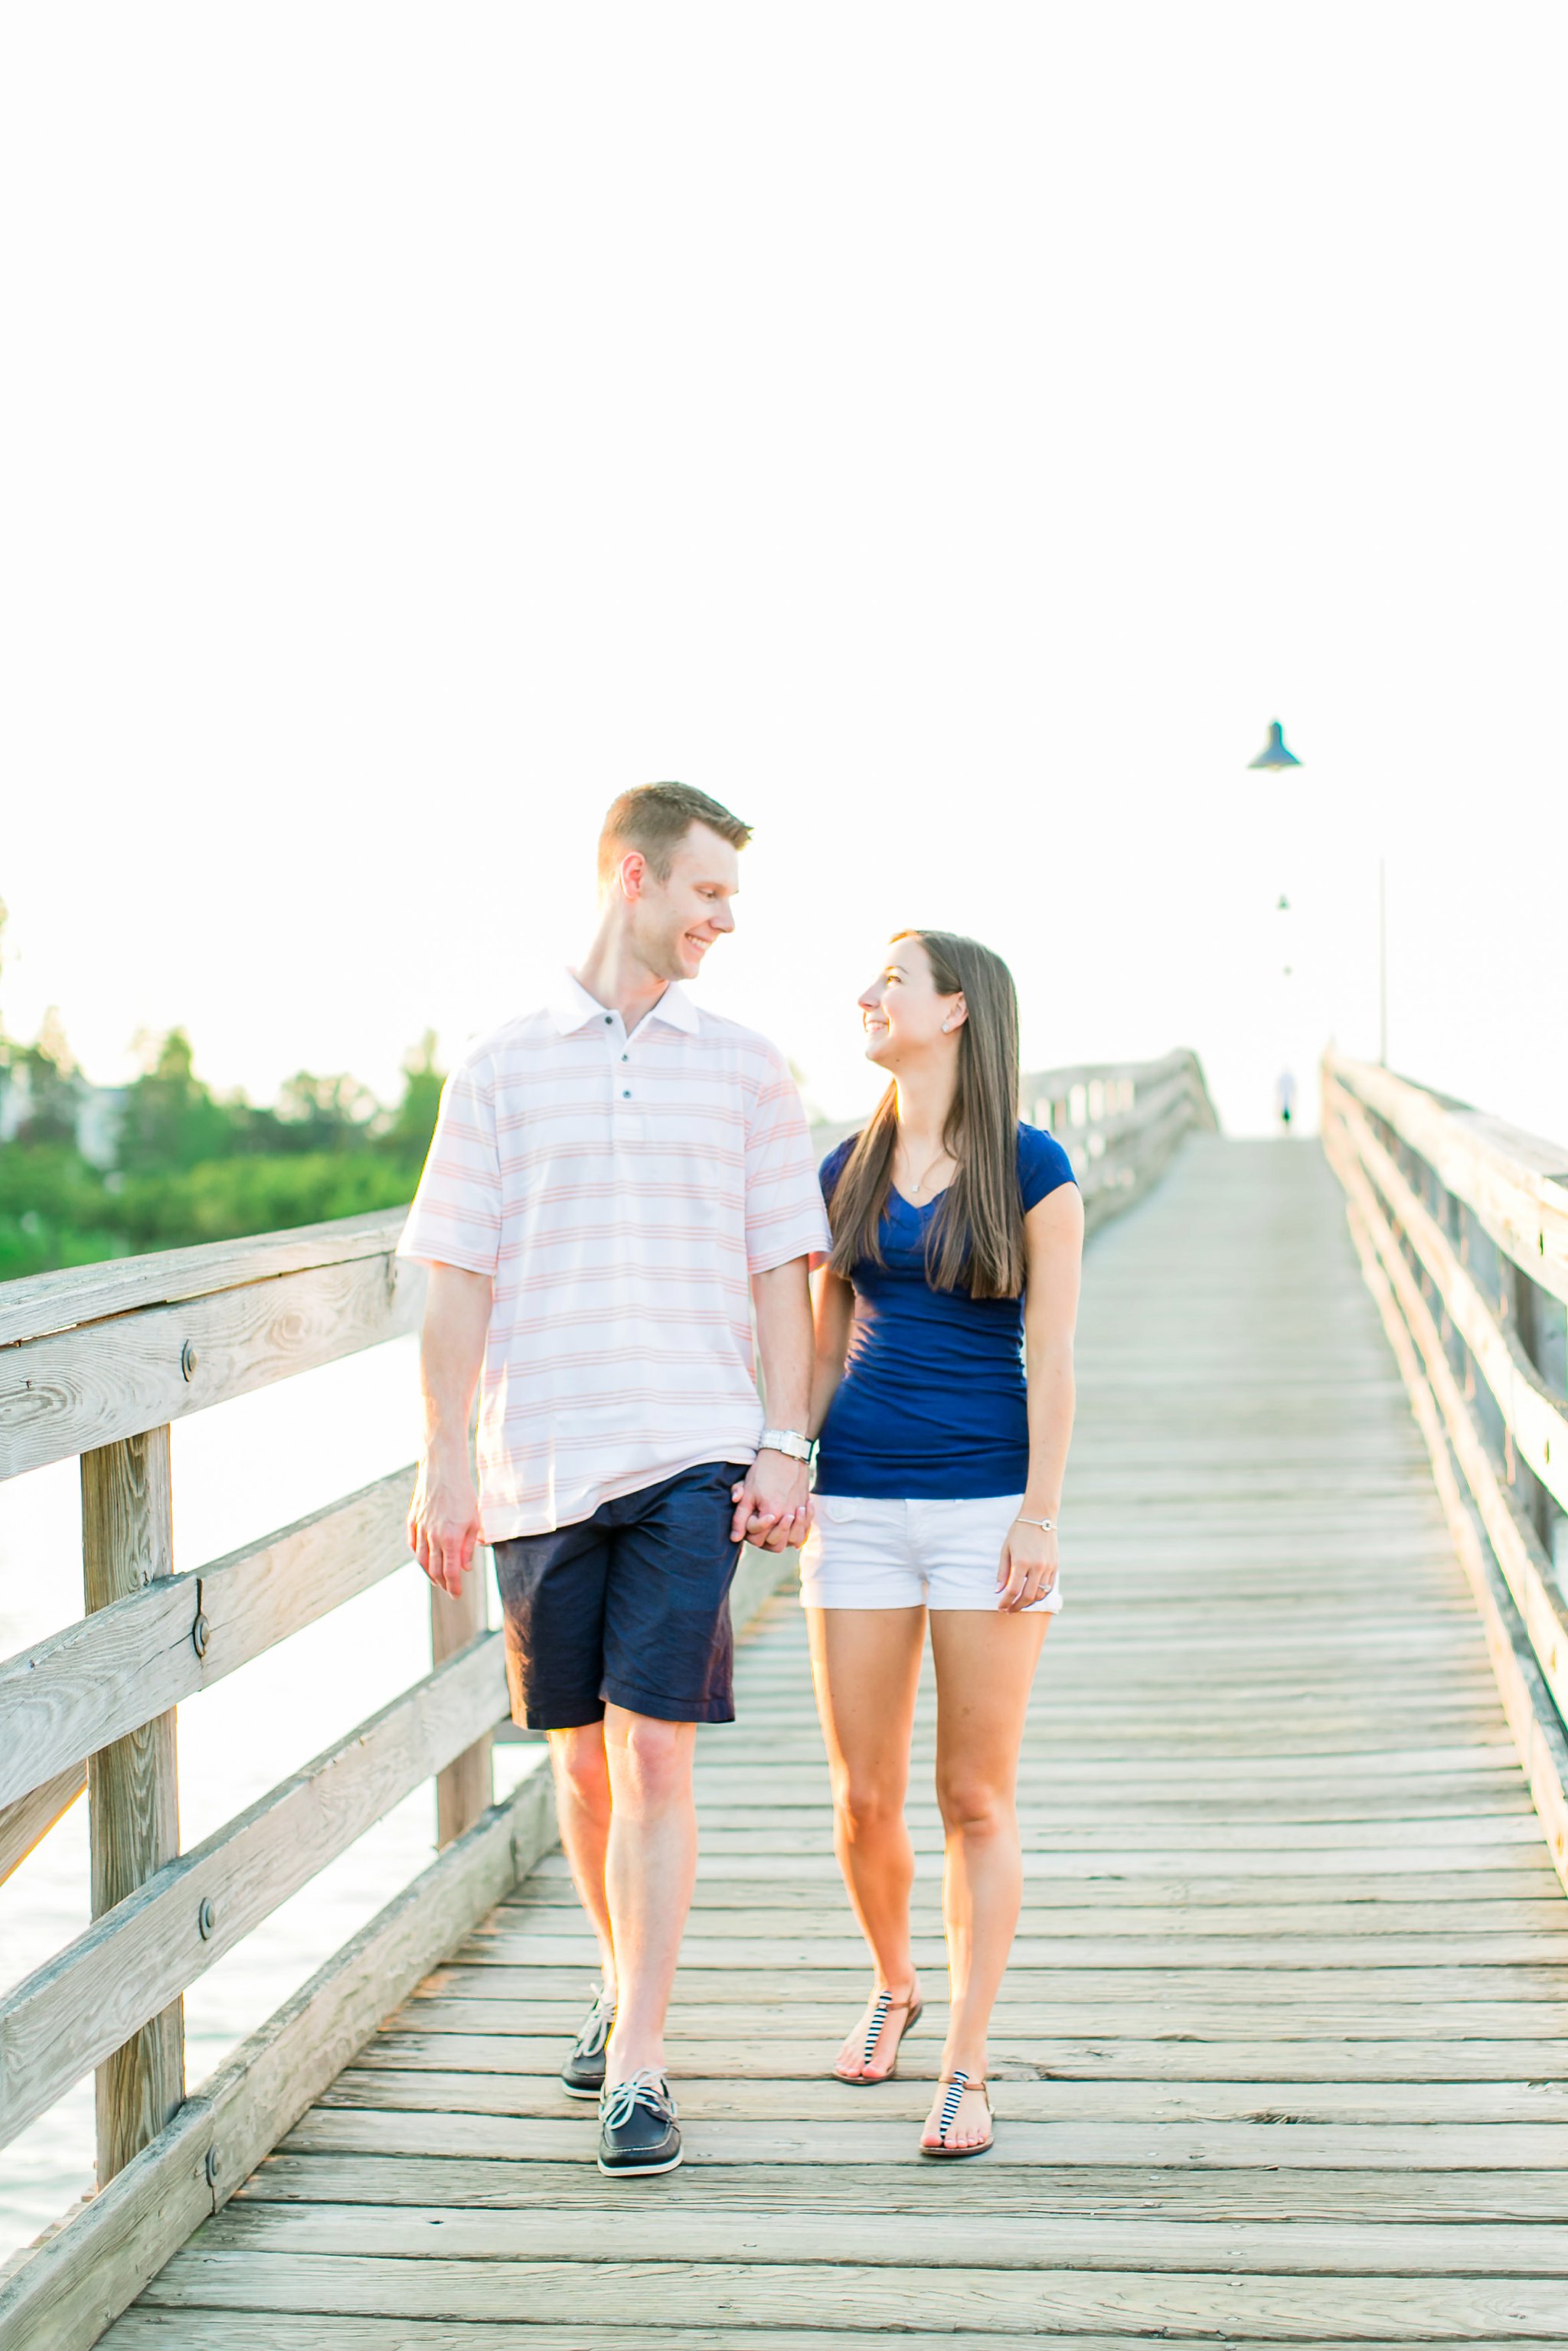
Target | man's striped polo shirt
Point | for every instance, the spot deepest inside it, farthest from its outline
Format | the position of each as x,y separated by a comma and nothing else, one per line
621,1190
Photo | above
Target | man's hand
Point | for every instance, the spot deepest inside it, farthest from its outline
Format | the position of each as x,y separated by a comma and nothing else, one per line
444,1520
772,1504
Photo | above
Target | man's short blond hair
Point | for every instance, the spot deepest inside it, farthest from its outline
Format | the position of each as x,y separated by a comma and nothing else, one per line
656,819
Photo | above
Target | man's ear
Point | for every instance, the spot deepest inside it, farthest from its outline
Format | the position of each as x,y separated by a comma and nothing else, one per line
632,874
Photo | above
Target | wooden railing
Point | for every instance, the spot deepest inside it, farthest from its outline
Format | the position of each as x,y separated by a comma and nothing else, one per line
1461,1225
98,1362
1119,1121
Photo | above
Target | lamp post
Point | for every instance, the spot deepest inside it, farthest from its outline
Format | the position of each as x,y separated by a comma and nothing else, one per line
1274,758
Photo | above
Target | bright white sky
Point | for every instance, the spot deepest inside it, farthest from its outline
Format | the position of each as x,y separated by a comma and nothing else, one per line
947,435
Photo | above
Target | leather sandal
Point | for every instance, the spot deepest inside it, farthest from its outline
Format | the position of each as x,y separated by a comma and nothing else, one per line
956,2085
882,2007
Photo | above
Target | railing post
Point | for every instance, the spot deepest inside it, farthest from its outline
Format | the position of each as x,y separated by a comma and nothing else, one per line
465,1789
132,1785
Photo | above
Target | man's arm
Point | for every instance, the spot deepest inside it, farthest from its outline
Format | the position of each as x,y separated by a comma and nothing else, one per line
771,1502
443,1518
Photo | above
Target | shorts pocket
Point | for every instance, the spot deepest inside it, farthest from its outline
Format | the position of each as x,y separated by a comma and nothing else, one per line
839,1509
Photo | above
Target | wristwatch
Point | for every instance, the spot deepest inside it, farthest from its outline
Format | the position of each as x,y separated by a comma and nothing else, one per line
785,1440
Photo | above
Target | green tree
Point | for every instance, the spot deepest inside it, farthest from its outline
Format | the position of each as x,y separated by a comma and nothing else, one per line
324,1114
406,1133
171,1119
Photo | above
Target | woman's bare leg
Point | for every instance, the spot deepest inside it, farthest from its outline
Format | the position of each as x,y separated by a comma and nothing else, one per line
986,1661
866,1665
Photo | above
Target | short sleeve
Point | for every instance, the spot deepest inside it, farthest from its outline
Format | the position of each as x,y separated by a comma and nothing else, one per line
784,1214
455,1219
1044,1165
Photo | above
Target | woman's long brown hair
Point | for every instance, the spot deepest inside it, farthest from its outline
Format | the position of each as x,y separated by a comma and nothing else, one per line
975,1239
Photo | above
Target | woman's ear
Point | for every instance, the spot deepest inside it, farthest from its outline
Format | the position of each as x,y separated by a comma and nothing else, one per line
957,1016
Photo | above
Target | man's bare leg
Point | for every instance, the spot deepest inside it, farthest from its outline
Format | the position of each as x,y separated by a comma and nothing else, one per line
582,1808
650,1869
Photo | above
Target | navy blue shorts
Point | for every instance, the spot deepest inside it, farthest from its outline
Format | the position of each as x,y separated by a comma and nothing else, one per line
630,1606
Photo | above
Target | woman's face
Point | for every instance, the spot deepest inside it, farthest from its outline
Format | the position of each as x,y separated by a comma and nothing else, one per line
905,1017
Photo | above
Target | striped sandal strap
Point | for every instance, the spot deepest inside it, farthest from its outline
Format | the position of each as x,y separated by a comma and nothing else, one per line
956,2085
874,2022
882,2007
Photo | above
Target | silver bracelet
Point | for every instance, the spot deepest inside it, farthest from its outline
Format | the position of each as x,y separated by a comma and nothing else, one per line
1048,1524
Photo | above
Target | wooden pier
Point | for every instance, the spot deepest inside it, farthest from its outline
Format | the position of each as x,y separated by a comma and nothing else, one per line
1282,2057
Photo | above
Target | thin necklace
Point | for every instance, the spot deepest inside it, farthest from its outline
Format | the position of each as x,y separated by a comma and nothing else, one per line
920,1181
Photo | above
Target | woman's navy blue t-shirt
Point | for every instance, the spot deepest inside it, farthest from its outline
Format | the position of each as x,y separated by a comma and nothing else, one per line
932,1405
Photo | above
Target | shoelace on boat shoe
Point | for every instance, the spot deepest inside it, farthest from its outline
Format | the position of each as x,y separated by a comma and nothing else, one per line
595,2033
648,2089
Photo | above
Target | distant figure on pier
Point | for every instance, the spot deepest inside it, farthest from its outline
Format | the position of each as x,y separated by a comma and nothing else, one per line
618,1182
957,1234
1285,1096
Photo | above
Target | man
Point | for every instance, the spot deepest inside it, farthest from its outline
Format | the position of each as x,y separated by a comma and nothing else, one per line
616,1185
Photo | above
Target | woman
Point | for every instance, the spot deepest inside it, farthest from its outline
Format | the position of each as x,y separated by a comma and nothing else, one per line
957,1233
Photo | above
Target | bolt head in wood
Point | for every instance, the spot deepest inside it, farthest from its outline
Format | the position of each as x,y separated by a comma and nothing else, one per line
206,1921
187,1359
199,1632
211,2167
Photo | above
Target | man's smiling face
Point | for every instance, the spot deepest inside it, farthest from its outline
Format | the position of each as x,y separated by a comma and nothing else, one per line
675,922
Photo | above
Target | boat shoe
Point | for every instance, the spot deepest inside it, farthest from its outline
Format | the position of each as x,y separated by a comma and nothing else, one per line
582,2076
638,2132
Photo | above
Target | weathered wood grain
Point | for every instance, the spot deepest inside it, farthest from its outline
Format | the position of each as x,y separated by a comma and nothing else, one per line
69,2290
127,1538
138,1656
1008,2241
882,2297
765,2097
1528,1701
27,1818
152,1946
1516,1183
249,2330
43,1304
465,1789
877,2133
497,2184
75,1391
1538,1422
1540,2065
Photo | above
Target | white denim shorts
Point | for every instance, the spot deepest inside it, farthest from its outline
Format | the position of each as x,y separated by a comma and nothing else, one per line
865,1553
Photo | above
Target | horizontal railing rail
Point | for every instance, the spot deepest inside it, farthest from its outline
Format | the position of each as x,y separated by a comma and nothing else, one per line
1119,1121
1461,1225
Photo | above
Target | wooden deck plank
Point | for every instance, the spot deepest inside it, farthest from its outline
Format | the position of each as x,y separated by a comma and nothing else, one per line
248,2330
887,2134
1032,2241
1282,2057
389,2090
1130,2194
882,2297
1146,2064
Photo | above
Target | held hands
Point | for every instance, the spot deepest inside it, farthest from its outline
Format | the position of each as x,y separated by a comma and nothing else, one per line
772,1504
444,1520
1028,1567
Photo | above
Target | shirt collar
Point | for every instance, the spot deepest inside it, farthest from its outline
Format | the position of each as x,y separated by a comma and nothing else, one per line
572,1008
